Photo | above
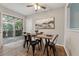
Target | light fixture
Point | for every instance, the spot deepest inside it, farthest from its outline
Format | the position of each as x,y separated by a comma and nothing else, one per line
37,7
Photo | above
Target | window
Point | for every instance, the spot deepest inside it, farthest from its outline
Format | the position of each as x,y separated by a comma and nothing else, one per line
8,23
12,28
74,16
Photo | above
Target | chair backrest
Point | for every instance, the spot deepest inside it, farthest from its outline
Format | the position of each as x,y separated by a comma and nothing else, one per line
56,36
39,33
24,32
25,35
29,37
36,31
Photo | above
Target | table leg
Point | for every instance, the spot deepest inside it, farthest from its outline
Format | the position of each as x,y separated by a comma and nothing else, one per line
41,43
47,47
44,48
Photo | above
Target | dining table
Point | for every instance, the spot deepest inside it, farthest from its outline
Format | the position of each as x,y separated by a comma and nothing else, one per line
46,37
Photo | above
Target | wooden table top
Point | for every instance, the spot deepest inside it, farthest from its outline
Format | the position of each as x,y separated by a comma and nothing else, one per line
44,36
26,34
41,36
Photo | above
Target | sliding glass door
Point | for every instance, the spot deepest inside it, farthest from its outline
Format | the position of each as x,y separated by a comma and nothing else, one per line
12,28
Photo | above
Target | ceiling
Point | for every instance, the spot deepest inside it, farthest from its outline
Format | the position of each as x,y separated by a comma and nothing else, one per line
21,7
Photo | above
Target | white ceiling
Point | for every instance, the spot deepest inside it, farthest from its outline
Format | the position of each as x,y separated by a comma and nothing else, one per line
21,7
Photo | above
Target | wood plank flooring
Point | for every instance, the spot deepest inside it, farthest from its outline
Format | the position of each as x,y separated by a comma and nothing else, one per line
20,51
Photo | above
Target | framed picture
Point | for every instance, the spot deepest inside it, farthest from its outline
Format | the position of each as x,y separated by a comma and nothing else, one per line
48,23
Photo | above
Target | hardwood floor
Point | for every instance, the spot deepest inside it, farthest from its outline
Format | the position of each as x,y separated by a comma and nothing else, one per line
20,51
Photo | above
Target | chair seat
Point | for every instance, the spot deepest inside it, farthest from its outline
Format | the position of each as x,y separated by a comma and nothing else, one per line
38,40
27,40
51,44
34,42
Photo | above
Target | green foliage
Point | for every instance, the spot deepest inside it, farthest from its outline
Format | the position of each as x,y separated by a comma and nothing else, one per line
8,27
18,25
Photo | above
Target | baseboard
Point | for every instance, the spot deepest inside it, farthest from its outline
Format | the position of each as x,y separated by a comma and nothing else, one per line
66,51
60,44
64,48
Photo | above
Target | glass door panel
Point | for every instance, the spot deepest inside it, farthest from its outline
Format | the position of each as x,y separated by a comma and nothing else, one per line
7,30
18,27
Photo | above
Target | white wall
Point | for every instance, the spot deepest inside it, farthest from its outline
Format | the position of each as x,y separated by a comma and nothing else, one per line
72,42
4,10
59,22
74,37
71,35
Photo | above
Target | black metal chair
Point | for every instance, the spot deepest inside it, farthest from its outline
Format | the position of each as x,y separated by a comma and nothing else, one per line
32,43
40,39
26,41
52,44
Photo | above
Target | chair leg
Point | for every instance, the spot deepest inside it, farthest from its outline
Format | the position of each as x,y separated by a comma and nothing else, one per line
28,48
24,44
41,44
33,49
27,44
50,49
54,49
44,49
38,46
